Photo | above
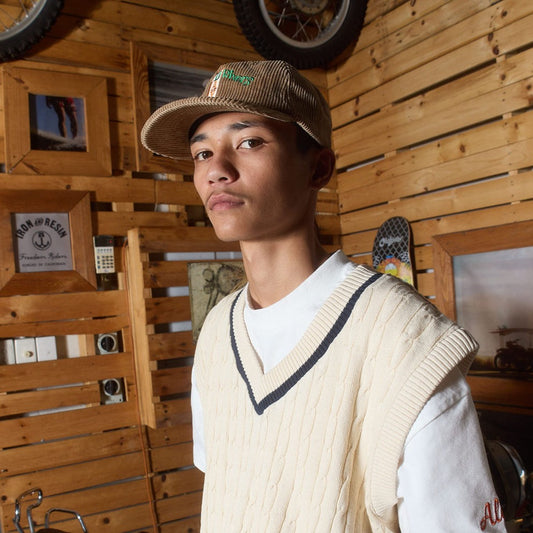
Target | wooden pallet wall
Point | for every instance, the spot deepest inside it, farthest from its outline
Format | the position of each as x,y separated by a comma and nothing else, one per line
55,432
433,117
433,121
164,361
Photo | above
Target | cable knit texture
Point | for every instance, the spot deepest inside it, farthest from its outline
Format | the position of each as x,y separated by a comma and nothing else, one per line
313,445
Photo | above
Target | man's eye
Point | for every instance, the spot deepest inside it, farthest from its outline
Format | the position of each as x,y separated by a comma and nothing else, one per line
251,143
202,155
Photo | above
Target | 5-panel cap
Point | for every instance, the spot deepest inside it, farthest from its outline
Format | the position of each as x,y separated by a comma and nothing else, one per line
273,89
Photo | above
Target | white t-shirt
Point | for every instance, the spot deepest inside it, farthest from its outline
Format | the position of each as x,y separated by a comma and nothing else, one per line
444,480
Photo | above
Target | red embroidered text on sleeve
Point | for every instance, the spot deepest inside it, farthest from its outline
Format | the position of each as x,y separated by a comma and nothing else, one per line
493,514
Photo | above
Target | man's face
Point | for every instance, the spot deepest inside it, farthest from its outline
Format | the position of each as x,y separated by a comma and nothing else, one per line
254,182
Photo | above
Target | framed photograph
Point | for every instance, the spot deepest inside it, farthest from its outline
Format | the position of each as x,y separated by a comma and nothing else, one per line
483,281
209,282
55,123
46,240
158,80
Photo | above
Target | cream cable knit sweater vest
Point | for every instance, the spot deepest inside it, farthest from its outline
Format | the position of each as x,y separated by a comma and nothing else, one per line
313,446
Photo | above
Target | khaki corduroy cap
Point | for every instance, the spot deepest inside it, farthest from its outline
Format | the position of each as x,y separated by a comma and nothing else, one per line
273,89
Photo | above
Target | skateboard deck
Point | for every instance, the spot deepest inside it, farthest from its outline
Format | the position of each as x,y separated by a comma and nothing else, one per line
392,251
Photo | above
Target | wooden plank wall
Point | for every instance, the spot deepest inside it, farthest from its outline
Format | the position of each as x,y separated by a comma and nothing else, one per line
85,455
55,433
433,121
163,361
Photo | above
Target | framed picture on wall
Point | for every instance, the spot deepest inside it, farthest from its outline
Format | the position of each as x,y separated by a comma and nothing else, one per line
46,242
209,282
483,281
159,80
55,123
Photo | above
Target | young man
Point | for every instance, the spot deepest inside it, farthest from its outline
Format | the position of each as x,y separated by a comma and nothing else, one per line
326,397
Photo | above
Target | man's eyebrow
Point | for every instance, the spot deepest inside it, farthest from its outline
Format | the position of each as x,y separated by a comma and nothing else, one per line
236,126
243,124
198,138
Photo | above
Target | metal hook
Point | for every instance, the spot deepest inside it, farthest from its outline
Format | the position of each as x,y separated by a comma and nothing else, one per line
18,503
57,509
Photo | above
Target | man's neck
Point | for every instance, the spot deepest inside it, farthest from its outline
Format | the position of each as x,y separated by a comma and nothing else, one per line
275,269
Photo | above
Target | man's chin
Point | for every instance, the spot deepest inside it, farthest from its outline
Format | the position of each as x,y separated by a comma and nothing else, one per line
226,236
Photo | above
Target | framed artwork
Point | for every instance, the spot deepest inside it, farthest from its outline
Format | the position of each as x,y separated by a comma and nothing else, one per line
46,241
158,80
209,282
55,123
483,281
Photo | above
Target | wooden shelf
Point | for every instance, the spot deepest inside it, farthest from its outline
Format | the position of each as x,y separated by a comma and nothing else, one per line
499,391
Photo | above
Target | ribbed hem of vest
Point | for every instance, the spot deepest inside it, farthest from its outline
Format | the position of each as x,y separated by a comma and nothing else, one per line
455,349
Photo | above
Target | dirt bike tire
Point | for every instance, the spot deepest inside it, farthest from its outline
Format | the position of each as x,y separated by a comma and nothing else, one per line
500,364
272,45
17,39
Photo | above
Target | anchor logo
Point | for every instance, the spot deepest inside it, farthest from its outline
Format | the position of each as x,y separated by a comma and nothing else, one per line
41,240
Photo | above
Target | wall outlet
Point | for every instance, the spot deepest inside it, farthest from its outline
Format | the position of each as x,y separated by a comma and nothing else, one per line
25,350
106,343
46,348
112,391
7,352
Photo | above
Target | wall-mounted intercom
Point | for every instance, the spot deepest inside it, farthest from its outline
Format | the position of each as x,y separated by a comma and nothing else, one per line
104,254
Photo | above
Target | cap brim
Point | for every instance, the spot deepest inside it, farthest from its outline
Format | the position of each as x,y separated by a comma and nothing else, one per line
167,130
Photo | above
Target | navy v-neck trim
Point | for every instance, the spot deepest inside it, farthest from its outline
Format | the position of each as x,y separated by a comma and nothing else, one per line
310,362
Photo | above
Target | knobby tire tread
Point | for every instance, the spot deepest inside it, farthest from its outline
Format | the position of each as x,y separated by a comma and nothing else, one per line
14,46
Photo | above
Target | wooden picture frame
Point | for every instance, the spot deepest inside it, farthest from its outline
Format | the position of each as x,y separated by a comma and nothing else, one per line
490,239
77,204
494,386
55,123
141,56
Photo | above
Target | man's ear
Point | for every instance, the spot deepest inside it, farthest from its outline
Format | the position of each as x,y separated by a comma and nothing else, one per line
324,167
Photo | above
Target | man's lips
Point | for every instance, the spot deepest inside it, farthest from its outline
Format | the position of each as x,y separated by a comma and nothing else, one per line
222,201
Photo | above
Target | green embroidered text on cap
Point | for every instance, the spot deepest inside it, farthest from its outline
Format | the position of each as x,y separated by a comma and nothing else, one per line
230,74
273,89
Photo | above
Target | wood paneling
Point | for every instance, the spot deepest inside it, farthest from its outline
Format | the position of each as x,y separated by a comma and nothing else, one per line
152,315
55,431
163,362
433,121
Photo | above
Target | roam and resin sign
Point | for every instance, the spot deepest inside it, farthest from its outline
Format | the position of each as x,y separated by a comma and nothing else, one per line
42,242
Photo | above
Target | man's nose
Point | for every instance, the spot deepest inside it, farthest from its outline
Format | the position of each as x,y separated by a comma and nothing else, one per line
221,169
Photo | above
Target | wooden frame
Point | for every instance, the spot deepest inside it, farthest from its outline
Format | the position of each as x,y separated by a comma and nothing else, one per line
445,247
512,391
77,204
90,156
141,55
